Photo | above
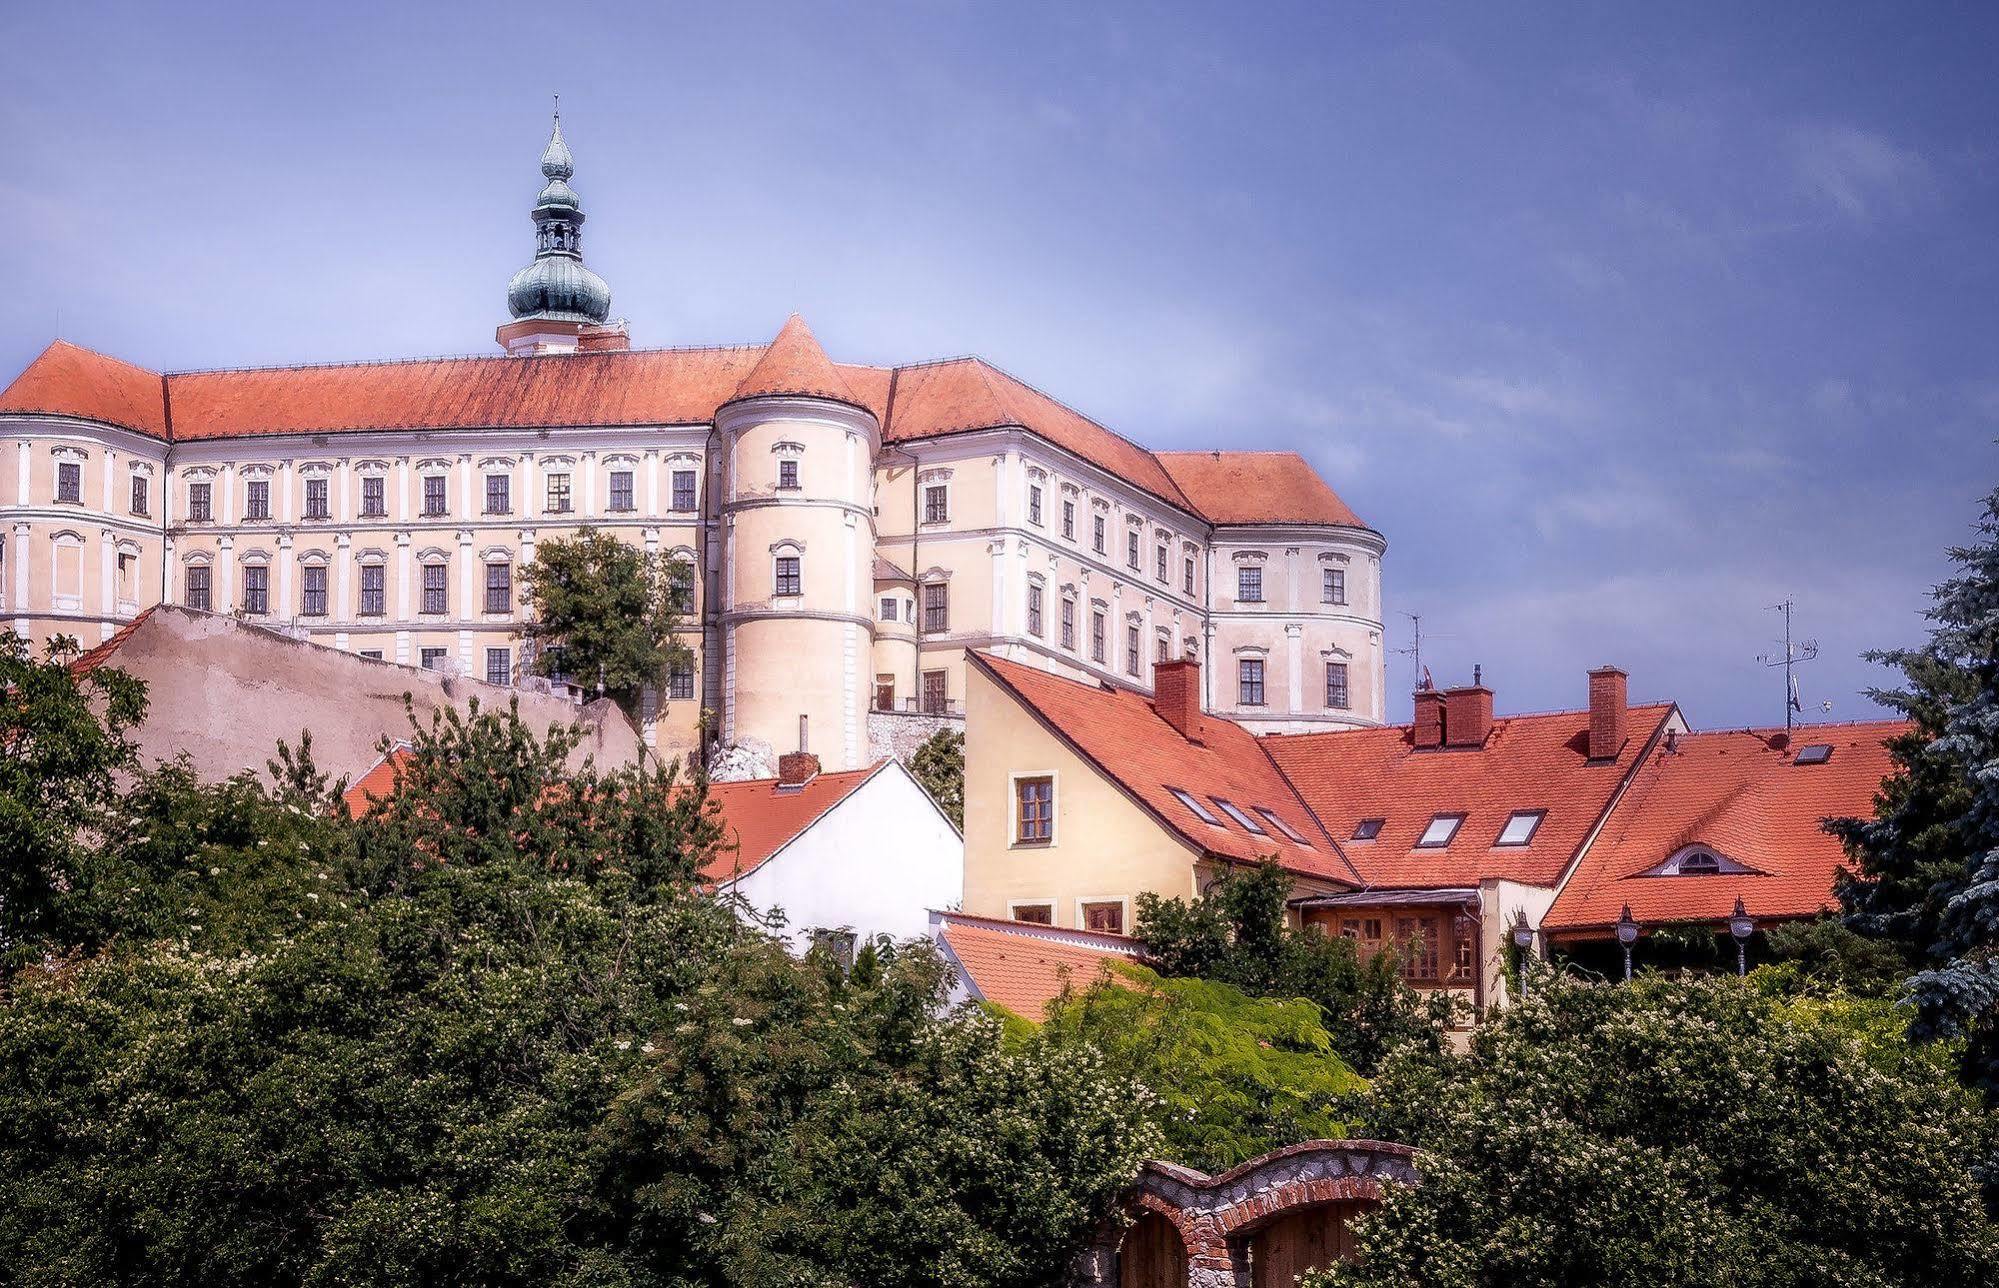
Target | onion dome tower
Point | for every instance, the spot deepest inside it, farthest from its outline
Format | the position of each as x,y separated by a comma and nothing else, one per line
559,306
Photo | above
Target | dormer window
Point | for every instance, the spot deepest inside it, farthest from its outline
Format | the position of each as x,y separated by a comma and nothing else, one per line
1697,860
1442,831
1521,826
1368,828
1699,863
1247,823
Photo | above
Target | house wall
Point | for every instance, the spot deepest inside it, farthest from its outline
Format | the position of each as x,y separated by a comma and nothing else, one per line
1500,902
876,863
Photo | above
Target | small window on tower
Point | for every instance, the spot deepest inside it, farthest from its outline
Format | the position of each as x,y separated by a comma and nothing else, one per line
787,474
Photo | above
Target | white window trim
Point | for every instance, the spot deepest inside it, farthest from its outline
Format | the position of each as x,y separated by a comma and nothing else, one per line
1457,822
1013,841
1050,902
1122,901
1538,817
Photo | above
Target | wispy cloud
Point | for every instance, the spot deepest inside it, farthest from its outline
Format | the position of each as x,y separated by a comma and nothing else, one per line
1862,174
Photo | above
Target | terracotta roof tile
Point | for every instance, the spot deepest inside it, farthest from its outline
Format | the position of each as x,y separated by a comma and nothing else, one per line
1015,965
90,661
1740,794
1529,762
1132,744
795,365
759,818
66,380
1257,487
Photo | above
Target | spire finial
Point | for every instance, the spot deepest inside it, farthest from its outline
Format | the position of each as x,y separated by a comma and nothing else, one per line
557,284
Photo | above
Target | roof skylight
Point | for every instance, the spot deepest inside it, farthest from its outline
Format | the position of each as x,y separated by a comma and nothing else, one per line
1270,816
1521,826
1442,830
1816,753
1195,807
1249,824
1368,828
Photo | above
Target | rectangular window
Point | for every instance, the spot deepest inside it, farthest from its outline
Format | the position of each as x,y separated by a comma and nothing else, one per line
1368,828
499,588
139,497
433,658
1187,575
1336,686
558,494
499,493
787,575
257,590
1419,939
884,693
128,568
257,499
1097,532
680,585
935,702
371,654
200,506
1243,820
1195,807
374,590
1249,584
1362,930
1034,811
1069,520
888,608
499,666
621,491
1161,555
683,489
1249,681
1034,914
936,503
936,607
1131,548
1131,650
1520,827
1098,645
1034,610
1439,833
1034,506
69,482
312,595
433,495
1162,648
374,496
1334,590
1276,820
1069,624
197,595
680,679
316,500
434,588
787,474
1106,918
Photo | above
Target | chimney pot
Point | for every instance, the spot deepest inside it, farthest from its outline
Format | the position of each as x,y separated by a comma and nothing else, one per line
1467,716
1609,690
1429,728
1176,694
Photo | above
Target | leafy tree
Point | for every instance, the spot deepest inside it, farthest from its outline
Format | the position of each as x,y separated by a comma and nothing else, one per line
605,610
939,764
1676,1133
1236,934
1232,1076
1926,877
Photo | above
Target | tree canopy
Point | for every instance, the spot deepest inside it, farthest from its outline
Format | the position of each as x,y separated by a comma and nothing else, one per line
939,764
604,610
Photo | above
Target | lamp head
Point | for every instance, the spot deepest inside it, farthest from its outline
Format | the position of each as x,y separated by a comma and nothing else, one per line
1627,929
1739,923
1523,934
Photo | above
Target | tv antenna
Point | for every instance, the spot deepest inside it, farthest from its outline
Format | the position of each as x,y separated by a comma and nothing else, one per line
1415,650
1793,655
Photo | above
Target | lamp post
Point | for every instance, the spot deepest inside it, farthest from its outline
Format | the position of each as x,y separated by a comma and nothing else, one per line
1523,939
1741,927
1627,935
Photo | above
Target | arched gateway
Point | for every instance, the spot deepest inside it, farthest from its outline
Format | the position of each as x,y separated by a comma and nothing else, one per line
1254,1226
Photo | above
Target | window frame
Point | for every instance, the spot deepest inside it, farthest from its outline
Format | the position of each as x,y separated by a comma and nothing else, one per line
691,495
1239,817
1534,817
188,596
1333,586
318,497
936,503
680,679
1276,820
374,496
436,507
1034,505
1345,687
202,510
506,570
1368,829
559,493
69,482
622,487
312,585
256,500
1249,584
380,591
1017,818
442,590
937,614
141,495
787,582
1036,626
1244,681
506,659
505,485
257,598
1456,821
1194,806
1068,520
787,474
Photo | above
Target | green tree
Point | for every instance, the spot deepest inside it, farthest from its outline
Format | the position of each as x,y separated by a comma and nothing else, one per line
939,764
1677,1133
604,611
1236,933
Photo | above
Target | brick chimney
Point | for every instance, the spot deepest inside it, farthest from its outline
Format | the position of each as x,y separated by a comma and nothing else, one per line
1429,718
796,768
1608,687
1176,694
1467,716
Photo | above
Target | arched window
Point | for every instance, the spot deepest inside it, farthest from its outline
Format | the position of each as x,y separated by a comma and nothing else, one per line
1699,863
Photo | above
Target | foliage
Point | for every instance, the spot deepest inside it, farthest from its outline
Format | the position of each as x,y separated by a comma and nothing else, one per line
1236,934
1234,1076
605,609
939,764
1927,880
1826,954
1692,1132
492,1033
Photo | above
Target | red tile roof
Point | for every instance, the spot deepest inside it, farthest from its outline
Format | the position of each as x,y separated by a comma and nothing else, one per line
795,365
1740,794
66,380
1528,762
1024,967
1257,487
1133,745
90,661
377,784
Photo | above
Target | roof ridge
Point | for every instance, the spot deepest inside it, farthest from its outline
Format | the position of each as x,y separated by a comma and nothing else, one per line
1185,501
422,359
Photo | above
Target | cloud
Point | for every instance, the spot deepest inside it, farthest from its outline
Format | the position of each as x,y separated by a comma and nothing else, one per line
1860,173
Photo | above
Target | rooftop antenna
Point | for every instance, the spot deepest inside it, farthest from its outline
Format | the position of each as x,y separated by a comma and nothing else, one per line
1789,659
1415,650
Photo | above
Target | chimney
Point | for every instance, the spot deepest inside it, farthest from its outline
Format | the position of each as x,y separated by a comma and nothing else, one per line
1467,716
1429,718
1176,694
1607,702
796,768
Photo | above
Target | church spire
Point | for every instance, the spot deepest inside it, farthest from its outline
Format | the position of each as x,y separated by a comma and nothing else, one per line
557,287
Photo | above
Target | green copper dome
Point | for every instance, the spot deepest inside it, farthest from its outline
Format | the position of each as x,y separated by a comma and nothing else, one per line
557,286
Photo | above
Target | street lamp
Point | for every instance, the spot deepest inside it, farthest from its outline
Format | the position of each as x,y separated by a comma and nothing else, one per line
1523,939
1627,935
1741,927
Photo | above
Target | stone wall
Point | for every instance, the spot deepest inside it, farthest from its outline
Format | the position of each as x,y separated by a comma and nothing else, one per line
897,734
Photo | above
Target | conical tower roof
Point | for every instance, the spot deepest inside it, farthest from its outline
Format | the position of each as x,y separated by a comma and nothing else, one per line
795,367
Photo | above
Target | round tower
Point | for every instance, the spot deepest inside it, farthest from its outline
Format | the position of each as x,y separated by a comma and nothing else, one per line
797,566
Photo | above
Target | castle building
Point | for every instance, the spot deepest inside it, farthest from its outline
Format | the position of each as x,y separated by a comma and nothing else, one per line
848,531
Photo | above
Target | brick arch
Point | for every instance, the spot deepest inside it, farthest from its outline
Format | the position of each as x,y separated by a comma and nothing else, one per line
1216,1215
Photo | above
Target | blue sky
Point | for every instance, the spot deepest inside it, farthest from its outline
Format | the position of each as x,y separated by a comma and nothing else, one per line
1622,323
